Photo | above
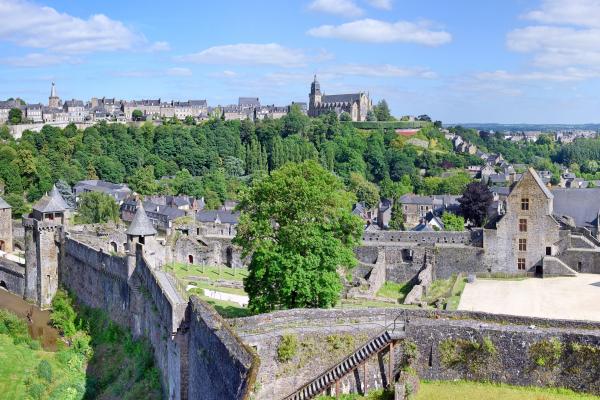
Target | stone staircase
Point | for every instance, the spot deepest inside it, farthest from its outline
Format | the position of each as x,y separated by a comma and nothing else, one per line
553,266
334,374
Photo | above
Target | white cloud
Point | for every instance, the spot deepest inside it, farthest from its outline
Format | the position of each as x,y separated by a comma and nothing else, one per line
376,31
572,12
160,46
39,60
31,25
384,71
345,8
251,54
179,71
564,75
382,4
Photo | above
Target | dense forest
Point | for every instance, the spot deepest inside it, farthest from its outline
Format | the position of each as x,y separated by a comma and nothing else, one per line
216,159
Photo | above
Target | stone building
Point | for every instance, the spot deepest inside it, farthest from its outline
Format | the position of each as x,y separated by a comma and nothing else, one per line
355,104
118,191
43,228
6,231
518,240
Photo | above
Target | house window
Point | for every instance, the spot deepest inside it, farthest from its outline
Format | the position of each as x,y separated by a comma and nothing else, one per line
525,204
522,225
521,264
522,244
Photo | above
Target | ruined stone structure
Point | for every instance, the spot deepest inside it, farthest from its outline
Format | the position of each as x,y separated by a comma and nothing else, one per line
6,231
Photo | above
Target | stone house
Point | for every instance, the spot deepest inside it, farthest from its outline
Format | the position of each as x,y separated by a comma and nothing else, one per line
161,216
417,208
220,223
518,240
118,191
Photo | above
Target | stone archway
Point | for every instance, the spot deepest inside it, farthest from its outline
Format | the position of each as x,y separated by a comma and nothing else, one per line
3,285
113,246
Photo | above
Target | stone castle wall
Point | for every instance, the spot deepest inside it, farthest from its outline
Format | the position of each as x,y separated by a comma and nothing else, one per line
12,275
182,333
512,338
221,366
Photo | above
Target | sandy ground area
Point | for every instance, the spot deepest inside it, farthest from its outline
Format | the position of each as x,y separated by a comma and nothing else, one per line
566,298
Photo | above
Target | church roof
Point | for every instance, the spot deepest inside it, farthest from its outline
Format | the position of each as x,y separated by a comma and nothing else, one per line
4,204
52,202
141,224
340,98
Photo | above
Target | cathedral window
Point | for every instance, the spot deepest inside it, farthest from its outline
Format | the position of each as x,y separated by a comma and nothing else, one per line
521,264
522,244
522,225
525,204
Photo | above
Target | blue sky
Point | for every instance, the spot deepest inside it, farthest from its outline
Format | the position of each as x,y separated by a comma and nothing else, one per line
509,61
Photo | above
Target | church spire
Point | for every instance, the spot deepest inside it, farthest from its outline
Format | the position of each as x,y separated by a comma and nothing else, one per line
53,91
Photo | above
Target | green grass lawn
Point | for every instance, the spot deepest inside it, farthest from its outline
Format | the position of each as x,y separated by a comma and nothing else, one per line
393,290
227,309
463,390
224,289
183,271
457,290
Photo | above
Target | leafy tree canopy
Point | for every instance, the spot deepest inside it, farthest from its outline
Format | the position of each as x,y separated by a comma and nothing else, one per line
97,207
298,226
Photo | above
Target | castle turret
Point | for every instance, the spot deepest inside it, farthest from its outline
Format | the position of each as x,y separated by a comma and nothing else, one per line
43,230
141,228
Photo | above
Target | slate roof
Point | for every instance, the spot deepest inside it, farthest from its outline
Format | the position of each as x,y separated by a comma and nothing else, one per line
52,202
340,98
141,224
249,101
416,199
226,217
583,205
4,204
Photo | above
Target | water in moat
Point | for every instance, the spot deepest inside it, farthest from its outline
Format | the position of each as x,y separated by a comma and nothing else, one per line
37,320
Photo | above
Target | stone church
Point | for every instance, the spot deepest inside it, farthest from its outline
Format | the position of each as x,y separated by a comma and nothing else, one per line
355,104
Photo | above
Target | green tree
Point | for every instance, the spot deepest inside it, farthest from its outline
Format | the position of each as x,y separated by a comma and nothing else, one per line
137,115
15,116
365,191
382,111
97,207
18,204
142,180
345,117
298,227
453,222
397,220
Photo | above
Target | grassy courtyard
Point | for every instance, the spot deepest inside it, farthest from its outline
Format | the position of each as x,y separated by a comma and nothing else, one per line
463,390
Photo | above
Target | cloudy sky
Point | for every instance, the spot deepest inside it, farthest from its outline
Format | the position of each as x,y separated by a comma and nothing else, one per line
504,61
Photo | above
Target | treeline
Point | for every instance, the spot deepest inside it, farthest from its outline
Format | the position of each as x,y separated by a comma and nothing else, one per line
216,159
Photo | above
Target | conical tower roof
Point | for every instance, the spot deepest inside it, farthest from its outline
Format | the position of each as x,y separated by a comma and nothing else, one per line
141,224
52,202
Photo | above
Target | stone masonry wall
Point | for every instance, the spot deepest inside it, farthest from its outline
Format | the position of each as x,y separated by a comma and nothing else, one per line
512,338
13,276
221,366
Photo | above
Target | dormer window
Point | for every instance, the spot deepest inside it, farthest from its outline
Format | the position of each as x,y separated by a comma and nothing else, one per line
525,204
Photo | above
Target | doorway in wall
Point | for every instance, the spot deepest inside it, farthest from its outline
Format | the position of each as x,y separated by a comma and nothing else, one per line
190,259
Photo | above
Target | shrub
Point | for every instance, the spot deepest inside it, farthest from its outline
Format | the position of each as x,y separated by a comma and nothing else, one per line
34,345
288,347
546,353
36,391
14,327
63,315
44,371
470,354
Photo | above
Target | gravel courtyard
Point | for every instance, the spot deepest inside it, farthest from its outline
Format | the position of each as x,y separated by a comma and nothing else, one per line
564,297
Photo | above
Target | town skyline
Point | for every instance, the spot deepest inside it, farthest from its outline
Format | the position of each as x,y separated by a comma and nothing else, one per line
533,64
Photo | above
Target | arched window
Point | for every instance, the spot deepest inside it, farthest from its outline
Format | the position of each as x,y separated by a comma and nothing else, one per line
190,259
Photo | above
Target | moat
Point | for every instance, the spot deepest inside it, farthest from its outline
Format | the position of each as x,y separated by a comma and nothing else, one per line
37,320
